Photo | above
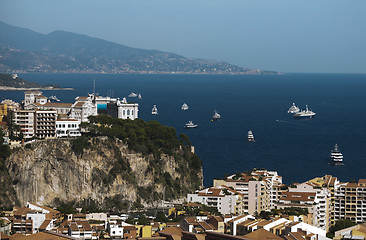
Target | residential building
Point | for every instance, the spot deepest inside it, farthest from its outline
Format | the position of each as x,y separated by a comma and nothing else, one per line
45,126
80,229
260,188
223,198
25,119
67,128
321,205
350,201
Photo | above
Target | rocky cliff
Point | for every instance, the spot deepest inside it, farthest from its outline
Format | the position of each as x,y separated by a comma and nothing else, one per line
107,172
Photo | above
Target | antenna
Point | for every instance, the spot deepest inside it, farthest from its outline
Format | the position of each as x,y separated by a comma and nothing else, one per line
94,86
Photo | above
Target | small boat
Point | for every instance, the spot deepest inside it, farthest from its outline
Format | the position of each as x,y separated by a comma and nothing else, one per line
132,94
336,157
154,110
190,124
304,114
53,98
216,116
184,106
293,109
250,136
139,97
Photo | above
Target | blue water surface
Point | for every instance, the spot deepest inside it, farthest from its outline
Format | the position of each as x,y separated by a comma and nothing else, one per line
297,149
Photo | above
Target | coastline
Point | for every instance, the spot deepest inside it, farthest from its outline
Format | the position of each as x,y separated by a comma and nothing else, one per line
4,88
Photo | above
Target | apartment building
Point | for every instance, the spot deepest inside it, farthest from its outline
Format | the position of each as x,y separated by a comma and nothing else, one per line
45,126
25,119
223,198
321,205
350,201
331,183
260,189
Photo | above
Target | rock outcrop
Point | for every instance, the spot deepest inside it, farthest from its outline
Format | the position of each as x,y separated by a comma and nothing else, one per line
50,170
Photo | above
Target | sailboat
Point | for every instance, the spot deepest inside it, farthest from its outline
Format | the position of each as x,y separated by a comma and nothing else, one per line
140,97
216,116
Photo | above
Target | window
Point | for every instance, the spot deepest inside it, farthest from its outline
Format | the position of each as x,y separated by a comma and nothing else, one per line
131,112
124,113
128,112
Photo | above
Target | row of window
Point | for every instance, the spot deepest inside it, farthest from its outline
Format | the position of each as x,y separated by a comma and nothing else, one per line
68,125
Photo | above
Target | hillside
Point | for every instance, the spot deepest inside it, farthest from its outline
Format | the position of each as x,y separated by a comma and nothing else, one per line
23,50
7,81
121,164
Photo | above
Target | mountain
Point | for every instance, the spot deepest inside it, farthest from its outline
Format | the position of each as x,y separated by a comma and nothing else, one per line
23,50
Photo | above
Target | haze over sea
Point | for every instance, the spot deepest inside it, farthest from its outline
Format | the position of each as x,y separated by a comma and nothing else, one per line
297,149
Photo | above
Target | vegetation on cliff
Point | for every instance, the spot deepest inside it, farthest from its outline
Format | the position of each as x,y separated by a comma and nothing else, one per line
7,80
7,193
118,165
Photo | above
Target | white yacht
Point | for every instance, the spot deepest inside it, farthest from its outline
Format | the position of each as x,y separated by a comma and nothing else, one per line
250,136
216,116
293,109
190,124
184,106
140,97
132,94
154,110
53,98
336,157
304,114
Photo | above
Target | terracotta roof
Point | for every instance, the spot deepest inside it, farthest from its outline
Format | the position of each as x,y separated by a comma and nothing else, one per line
85,225
78,104
74,226
56,104
245,223
298,196
297,235
21,211
205,226
45,235
172,231
352,185
362,181
262,234
41,96
191,220
44,225
129,228
51,210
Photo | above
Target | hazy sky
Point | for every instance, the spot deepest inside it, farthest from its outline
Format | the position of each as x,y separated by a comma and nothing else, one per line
283,35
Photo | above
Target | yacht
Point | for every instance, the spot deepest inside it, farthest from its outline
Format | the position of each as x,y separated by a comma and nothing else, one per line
336,157
293,109
154,110
132,95
305,113
184,106
250,136
216,116
140,97
53,98
190,124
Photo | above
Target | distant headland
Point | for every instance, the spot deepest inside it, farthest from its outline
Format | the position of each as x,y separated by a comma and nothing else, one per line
14,83
66,52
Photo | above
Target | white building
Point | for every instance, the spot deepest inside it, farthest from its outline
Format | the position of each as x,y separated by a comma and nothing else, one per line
30,97
83,108
123,109
321,204
68,128
25,119
224,199
116,229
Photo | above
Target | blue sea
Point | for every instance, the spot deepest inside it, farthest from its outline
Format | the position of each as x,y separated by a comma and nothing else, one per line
297,149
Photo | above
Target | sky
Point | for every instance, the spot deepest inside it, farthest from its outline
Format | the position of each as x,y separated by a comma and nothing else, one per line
302,36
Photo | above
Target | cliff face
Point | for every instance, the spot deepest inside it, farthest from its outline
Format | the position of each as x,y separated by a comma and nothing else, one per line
106,171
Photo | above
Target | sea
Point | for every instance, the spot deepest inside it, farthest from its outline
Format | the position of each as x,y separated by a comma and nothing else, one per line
297,149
